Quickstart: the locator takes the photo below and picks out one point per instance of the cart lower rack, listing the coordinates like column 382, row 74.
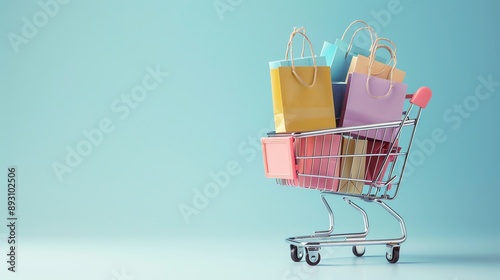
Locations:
column 350, row 162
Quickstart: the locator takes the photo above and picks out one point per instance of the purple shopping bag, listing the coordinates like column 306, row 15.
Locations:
column 371, row 100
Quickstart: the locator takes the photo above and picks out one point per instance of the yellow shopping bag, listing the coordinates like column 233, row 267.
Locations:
column 302, row 95
column 370, row 66
column 352, row 166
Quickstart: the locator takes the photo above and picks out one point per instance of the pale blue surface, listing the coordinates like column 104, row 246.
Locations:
column 207, row 116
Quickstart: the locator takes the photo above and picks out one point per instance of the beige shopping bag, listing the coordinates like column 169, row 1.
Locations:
column 352, row 167
column 372, row 67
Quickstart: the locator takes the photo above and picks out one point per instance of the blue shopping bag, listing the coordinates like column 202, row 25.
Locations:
column 339, row 54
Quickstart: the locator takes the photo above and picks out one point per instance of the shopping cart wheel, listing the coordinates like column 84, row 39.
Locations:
column 358, row 251
column 313, row 257
column 296, row 253
column 392, row 254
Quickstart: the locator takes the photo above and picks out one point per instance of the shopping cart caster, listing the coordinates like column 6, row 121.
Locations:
column 358, row 251
column 312, row 256
column 392, row 254
column 296, row 253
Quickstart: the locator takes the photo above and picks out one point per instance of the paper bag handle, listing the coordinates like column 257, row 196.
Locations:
column 353, row 23
column 303, row 30
column 394, row 59
column 289, row 49
column 376, row 45
column 373, row 36
column 391, row 53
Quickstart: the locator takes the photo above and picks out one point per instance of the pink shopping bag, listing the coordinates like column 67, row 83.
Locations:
column 323, row 148
column 371, row 100
column 374, row 163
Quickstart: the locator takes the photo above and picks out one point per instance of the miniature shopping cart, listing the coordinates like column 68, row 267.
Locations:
column 350, row 162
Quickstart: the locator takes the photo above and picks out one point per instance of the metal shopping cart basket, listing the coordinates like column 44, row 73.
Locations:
column 348, row 162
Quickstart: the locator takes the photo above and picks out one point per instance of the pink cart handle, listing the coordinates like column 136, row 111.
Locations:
column 421, row 97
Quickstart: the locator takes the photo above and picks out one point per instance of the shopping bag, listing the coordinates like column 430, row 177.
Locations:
column 339, row 54
column 302, row 95
column 352, row 167
column 370, row 66
column 338, row 89
column 318, row 162
column 375, row 164
column 371, row 100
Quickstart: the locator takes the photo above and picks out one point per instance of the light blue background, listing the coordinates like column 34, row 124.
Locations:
column 215, row 102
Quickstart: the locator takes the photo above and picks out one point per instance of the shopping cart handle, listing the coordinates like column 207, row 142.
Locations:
column 421, row 97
